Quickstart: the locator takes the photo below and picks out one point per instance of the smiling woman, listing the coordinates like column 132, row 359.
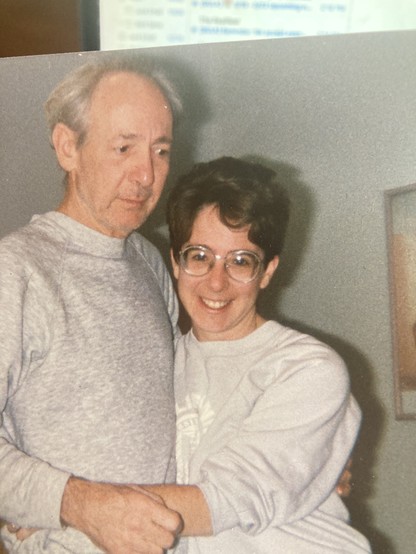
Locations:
column 221, row 300
column 265, row 419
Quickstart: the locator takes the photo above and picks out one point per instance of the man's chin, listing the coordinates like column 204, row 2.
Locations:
column 127, row 225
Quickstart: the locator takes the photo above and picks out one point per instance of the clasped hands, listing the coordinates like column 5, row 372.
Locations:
column 116, row 518
column 128, row 518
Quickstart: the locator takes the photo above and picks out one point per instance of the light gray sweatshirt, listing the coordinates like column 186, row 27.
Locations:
column 265, row 425
column 86, row 359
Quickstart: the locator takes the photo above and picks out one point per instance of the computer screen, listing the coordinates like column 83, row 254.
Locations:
column 144, row 23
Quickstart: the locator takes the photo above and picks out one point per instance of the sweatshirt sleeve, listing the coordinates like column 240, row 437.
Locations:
column 30, row 489
column 285, row 458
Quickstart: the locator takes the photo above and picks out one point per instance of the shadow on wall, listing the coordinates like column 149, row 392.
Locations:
column 365, row 453
column 297, row 236
column 196, row 112
column 360, row 369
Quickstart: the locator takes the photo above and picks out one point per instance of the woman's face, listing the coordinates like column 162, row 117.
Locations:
column 220, row 307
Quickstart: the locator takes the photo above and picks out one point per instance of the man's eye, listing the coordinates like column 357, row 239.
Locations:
column 122, row 149
column 163, row 152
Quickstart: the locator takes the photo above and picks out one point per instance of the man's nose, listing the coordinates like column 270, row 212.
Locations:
column 142, row 170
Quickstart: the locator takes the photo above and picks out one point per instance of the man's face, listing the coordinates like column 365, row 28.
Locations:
column 117, row 175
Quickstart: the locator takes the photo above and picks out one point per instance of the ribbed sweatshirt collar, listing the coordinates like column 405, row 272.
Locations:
column 83, row 238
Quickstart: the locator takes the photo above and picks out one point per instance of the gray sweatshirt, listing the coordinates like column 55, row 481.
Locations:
column 265, row 425
column 86, row 358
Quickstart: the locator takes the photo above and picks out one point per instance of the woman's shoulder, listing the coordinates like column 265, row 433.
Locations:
column 294, row 355
column 297, row 344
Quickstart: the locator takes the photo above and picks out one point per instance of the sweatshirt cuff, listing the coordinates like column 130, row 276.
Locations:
column 223, row 515
column 46, row 497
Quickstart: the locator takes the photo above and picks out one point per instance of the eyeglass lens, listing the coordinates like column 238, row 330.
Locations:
column 240, row 265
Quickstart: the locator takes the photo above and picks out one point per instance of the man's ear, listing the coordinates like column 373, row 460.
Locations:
column 64, row 141
column 269, row 272
column 175, row 265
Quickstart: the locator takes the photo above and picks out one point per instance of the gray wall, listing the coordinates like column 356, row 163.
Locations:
column 336, row 118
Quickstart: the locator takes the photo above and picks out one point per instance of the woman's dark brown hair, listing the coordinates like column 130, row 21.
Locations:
column 246, row 195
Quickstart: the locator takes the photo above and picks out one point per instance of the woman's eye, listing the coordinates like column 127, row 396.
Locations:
column 241, row 261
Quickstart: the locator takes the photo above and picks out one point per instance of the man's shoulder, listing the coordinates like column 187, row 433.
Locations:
column 146, row 249
column 28, row 242
column 16, row 240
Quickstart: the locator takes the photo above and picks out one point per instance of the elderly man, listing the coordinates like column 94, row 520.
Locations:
column 88, row 314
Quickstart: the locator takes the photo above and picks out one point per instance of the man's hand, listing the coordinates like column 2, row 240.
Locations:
column 344, row 484
column 120, row 518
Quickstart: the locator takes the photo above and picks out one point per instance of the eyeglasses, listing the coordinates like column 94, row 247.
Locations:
column 240, row 265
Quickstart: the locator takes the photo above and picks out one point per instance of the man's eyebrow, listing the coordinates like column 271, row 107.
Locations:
column 164, row 139
column 132, row 136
